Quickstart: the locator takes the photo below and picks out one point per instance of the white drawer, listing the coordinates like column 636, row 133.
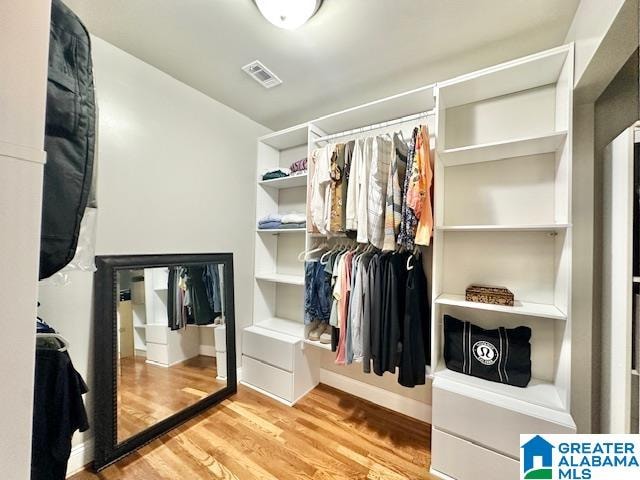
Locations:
column 488, row 424
column 158, row 353
column 270, row 379
column 274, row 348
column 462, row 460
column 157, row 333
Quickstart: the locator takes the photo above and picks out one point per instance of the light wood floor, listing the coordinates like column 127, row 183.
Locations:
column 327, row 435
column 149, row 393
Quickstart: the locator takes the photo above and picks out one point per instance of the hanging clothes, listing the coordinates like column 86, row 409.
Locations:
column 381, row 158
column 364, row 172
column 58, row 411
column 211, row 281
column 419, row 194
column 343, row 306
column 408, row 221
column 320, row 192
column 346, row 175
column 353, row 185
column 416, row 334
column 395, row 182
column 338, row 189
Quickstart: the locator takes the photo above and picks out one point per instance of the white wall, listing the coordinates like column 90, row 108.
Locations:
column 176, row 175
column 24, row 46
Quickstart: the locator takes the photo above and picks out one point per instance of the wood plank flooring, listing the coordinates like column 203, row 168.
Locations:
column 148, row 393
column 327, row 435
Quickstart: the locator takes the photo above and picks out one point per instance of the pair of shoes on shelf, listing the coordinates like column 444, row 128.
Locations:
column 321, row 333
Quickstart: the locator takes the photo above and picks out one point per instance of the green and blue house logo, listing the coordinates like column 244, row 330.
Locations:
column 580, row 457
column 537, row 459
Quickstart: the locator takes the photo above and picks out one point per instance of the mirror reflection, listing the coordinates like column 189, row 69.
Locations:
column 171, row 342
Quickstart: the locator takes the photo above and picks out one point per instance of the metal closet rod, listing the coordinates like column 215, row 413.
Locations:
column 376, row 126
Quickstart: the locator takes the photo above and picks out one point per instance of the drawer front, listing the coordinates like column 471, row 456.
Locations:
column 486, row 424
column 221, row 364
column 220, row 338
column 158, row 353
column 266, row 377
column 462, row 460
column 269, row 347
column 157, row 334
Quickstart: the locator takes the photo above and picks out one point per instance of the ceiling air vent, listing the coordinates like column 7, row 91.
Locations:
column 262, row 74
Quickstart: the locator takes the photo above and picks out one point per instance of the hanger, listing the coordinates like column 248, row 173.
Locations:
column 303, row 255
column 57, row 336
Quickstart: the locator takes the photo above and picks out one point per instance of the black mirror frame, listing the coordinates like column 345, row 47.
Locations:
column 107, row 450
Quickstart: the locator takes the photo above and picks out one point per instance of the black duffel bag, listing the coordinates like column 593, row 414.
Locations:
column 501, row 355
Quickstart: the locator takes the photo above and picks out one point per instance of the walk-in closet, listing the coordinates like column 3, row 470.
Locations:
column 320, row 239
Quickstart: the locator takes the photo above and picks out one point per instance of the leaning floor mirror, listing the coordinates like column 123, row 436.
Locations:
column 164, row 345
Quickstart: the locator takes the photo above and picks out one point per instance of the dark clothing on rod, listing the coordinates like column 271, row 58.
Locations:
column 416, row 335
column 202, row 313
column 58, row 413
column 393, row 312
column 69, row 139
column 378, row 344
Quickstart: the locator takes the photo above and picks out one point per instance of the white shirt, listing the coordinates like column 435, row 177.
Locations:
column 319, row 185
column 353, row 187
column 363, row 190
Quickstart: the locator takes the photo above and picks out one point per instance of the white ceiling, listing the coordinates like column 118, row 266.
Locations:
column 351, row 52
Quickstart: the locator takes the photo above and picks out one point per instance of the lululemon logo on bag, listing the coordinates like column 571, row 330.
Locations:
column 485, row 352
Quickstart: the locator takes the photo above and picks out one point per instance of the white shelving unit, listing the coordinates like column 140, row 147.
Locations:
column 503, row 217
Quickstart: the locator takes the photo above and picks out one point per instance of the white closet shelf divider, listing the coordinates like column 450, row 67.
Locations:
column 538, row 393
column 288, row 138
column 636, row 279
column 513, row 148
column 551, row 227
column 292, row 181
column 282, row 325
column 281, row 278
column 275, row 231
column 520, row 308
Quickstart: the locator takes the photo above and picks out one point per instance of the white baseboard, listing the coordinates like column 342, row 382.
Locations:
column 267, row 394
column 81, row 456
column 438, row 474
column 208, row 350
column 393, row 401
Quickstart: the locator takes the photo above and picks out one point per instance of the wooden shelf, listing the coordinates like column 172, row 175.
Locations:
column 275, row 231
column 520, row 308
column 292, row 181
column 282, row 325
column 538, row 392
column 323, row 346
column 281, row 278
column 551, row 227
column 288, row 138
column 490, row 152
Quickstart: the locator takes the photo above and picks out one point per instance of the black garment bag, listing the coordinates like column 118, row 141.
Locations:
column 69, row 139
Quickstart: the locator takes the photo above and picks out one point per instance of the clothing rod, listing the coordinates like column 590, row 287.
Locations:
column 376, row 126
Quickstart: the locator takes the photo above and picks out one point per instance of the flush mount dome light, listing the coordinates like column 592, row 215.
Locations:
column 288, row 14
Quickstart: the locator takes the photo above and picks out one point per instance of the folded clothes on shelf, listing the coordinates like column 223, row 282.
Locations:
column 275, row 173
column 269, row 225
column 294, row 225
column 294, row 218
column 299, row 167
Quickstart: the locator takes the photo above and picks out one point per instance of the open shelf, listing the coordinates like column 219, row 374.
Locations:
column 538, row 392
column 519, row 308
column 526, row 73
column 288, row 138
column 488, row 152
column 636, row 279
column 323, row 346
column 281, row 278
column 292, row 181
column 282, row 325
column 552, row 227
column 281, row 230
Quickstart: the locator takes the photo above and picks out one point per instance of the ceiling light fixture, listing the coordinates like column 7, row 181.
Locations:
column 288, row 14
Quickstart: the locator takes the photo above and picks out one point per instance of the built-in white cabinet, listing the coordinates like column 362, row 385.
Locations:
column 502, row 139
